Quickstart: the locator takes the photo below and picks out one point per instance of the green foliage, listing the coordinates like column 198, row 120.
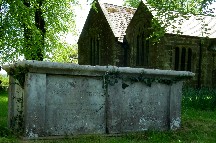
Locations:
column 4, row 80
column 182, row 6
column 202, row 99
column 65, row 53
column 132, row 3
column 21, row 34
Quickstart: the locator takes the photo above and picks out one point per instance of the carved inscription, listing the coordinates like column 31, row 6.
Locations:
column 145, row 107
column 77, row 102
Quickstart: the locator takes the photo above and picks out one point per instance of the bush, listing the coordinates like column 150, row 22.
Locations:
column 202, row 99
column 4, row 82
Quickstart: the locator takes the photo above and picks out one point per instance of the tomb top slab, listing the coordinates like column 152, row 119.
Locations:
column 75, row 69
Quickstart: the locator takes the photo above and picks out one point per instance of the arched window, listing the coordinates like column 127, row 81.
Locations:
column 138, row 50
column 189, row 59
column 214, row 78
column 183, row 59
column 176, row 67
column 142, row 52
column 142, row 48
column 95, row 50
column 92, row 51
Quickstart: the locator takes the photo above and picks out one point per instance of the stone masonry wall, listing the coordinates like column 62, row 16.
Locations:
column 97, row 27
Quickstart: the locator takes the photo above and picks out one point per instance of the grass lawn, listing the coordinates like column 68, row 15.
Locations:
column 198, row 126
column 3, row 109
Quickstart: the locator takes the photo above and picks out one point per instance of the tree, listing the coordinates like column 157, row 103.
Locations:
column 34, row 51
column 31, row 28
column 182, row 6
column 132, row 3
column 66, row 53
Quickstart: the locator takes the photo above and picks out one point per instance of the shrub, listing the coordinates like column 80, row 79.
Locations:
column 4, row 82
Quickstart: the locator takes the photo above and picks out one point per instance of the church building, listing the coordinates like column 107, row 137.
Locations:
column 122, row 36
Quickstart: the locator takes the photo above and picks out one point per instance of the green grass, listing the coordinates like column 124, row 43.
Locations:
column 5, row 134
column 204, row 99
column 198, row 126
column 3, row 108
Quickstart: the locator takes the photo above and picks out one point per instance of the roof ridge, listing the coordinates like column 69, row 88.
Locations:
column 106, row 15
column 118, row 18
column 122, row 6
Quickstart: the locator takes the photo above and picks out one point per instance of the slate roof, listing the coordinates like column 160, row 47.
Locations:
column 118, row 18
column 194, row 25
column 189, row 25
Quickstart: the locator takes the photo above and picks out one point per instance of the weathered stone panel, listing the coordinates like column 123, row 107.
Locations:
column 74, row 105
column 34, row 105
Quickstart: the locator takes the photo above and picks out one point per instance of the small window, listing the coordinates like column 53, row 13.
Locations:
column 142, row 48
column 95, row 51
column 176, row 58
column 214, row 78
column 138, row 50
column 183, row 59
column 189, row 59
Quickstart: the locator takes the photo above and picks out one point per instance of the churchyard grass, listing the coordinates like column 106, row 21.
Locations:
column 198, row 124
column 5, row 135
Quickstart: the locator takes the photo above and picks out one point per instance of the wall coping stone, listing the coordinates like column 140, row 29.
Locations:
column 75, row 69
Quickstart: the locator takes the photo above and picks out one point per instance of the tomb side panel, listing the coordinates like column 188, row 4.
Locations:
column 75, row 105
column 34, row 105
column 175, row 105
column 144, row 107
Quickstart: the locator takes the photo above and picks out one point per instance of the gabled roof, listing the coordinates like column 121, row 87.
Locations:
column 118, row 18
column 189, row 25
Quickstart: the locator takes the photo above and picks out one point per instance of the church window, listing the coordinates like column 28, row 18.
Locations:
column 142, row 48
column 176, row 67
column 95, row 51
column 183, row 59
column 189, row 59
column 183, row 54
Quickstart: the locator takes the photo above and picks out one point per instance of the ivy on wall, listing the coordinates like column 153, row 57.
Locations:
column 111, row 78
column 18, row 73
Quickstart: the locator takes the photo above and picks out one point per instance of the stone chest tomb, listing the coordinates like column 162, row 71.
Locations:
column 56, row 99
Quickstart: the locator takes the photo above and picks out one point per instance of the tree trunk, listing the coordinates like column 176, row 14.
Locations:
column 40, row 24
column 34, row 49
column 28, row 41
